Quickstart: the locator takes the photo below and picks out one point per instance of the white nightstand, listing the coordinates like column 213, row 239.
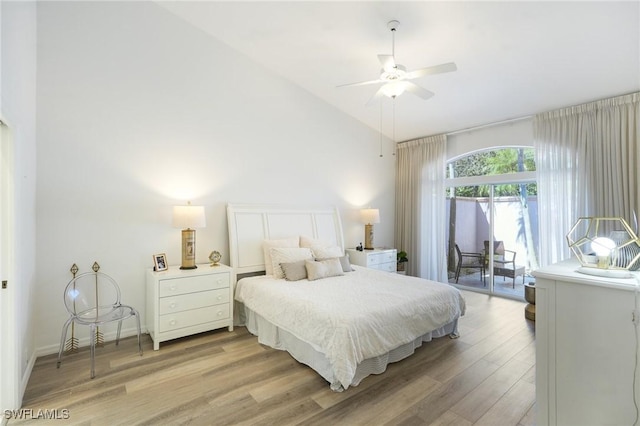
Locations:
column 383, row 259
column 184, row 302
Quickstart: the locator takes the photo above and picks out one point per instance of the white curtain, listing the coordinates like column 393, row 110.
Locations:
column 420, row 206
column 587, row 158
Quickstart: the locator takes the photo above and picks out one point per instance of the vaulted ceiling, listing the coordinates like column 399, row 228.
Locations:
column 514, row 58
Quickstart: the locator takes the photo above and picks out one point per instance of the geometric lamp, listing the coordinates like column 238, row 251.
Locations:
column 187, row 218
column 605, row 246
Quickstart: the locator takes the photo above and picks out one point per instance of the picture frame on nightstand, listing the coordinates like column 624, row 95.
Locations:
column 160, row 262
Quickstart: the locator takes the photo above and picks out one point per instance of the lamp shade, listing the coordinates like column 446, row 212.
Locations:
column 189, row 217
column 370, row 216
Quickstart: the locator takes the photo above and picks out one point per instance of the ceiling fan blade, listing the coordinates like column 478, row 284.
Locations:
column 362, row 83
column 377, row 95
column 417, row 90
column 388, row 62
column 436, row 69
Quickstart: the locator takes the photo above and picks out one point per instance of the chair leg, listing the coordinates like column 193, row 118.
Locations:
column 65, row 328
column 118, row 334
column 92, row 340
column 139, row 332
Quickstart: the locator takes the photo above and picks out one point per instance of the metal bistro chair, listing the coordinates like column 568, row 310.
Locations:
column 93, row 299
column 476, row 260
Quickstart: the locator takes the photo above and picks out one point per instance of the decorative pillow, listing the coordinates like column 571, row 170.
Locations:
column 344, row 262
column 286, row 255
column 327, row 252
column 323, row 269
column 268, row 244
column 294, row 271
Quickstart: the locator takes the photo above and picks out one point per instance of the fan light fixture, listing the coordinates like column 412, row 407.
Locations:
column 605, row 246
column 395, row 77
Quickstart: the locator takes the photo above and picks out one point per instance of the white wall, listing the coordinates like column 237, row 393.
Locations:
column 18, row 109
column 139, row 111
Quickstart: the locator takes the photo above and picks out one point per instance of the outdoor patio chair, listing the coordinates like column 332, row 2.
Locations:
column 470, row 260
column 504, row 261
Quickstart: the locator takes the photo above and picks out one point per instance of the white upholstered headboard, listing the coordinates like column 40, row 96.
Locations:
column 251, row 224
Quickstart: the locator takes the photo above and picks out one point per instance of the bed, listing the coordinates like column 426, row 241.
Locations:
column 344, row 321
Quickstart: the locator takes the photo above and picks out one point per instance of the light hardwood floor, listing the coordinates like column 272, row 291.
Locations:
column 486, row 377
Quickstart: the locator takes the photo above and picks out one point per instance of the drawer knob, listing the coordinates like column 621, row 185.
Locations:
column 219, row 313
column 219, row 297
column 172, row 322
column 172, row 287
column 172, row 305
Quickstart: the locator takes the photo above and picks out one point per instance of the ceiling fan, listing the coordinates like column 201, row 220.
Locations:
column 395, row 77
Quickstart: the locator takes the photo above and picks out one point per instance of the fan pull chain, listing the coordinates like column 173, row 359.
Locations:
column 380, row 127
column 394, row 125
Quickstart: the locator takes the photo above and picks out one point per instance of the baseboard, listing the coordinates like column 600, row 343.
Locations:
column 84, row 341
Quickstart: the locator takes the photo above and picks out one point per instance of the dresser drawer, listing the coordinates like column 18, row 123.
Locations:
column 183, row 319
column 378, row 258
column 175, row 286
column 188, row 301
column 389, row 266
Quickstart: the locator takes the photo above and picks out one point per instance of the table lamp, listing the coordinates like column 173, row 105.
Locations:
column 605, row 246
column 187, row 218
column 369, row 217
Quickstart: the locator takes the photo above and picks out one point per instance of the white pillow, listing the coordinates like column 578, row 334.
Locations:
column 268, row 244
column 312, row 242
column 327, row 252
column 287, row 255
column 323, row 269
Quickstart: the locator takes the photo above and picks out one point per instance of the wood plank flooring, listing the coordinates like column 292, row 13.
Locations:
column 486, row 377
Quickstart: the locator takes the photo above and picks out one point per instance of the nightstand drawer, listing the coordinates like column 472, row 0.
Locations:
column 185, row 302
column 193, row 317
column 378, row 258
column 388, row 267
column 175, row 286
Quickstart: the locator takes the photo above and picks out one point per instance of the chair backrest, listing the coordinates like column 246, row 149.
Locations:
column 91, row 293
column 458, row 252
column 498, row 247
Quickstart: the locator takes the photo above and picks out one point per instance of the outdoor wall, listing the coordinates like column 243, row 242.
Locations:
column 473, row 218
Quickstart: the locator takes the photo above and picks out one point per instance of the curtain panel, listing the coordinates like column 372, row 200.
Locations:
column 587, row 158
column 420, row 206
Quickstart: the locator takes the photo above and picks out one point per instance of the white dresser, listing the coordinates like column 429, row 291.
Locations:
column 585, row 348
column 184, row 302
column 383, row 259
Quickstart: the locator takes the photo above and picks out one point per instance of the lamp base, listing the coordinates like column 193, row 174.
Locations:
column 188, row 249
column 368, row 237
column 608, row 273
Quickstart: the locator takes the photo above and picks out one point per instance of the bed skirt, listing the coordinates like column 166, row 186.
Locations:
column 277, row 338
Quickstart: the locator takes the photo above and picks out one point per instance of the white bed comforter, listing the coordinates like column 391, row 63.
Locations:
column 360, row 315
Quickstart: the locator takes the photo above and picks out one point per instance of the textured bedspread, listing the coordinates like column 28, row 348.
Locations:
column 359, row 315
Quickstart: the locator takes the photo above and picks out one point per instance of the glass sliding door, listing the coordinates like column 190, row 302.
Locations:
column 468, row 225
column 492, row 221
column 492, row 238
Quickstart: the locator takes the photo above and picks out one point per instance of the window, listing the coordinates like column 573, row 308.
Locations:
column 492, row 202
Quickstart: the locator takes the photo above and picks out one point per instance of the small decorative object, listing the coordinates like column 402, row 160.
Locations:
column 402, row 259
column 186, row 218
column 359, row 248
column 72, row 344
column 215, row 257
column 530, row 297
column 605, row 246
column 369, row 217
column 160, row 262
